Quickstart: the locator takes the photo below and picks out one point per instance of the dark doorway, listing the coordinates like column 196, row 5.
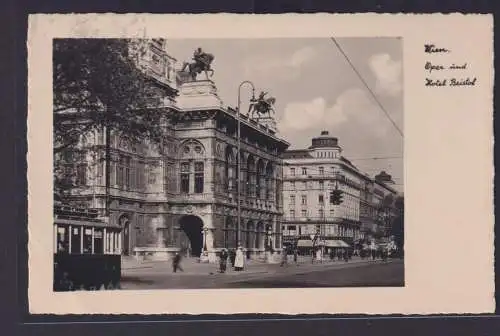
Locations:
column 192, row 226
column 125, row 225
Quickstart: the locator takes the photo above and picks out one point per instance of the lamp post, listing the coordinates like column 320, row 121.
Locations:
column 205, row 231
column 268, row 239
column 238, row 158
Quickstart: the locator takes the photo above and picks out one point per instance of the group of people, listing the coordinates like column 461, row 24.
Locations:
column 374, row 254
column 235, row 256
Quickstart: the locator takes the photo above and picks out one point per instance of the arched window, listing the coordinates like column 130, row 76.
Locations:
column 269, row 181
column 192, row 151
column 251, row 178
column 199, row 177
column 260, row 178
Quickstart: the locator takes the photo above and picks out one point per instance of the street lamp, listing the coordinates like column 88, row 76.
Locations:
column 238, row 235
column 204, row 231
column 268, row 239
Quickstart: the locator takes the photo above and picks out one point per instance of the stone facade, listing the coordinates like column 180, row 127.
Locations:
column 183, row 197
column 310, row 175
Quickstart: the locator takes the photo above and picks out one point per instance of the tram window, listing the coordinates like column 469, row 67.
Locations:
column 87, row 241
column 63, row 239
column 75, row 240
column 98, row 241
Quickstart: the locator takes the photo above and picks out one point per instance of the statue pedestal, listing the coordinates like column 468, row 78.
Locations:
column 199, row 94
column 268, row 122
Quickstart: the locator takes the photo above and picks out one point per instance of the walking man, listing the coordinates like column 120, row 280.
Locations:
column 176, row 263
column 284, row 257
column 223, row 260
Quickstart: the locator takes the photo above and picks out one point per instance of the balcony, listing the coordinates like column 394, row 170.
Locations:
column 196, row 198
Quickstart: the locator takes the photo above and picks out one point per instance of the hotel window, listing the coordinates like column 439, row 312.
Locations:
column 304, row 213
column 332, row 212
column 292, row 171
column 185, row 177
column 199, row 172
column 321, row 171
column 292, row 213
column 292, row 185
column 321, row 213
column 321, row 185
column 304, row 171
column 321, row 199
column 292, row 199
column 304, row 200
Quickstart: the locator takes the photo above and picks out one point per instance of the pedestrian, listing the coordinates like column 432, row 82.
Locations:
column 232, row 256
column 176, row 263
column 318, row 255
column 346, row 255
column 223, row 260
column 332, row 255
column 239, row 260
column 295, row 256
column 384, row 254
column 284, row 257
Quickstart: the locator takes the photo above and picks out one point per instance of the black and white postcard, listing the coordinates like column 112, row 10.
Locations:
column 272, row 164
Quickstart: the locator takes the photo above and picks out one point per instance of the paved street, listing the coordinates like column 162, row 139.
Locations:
column 159, row 275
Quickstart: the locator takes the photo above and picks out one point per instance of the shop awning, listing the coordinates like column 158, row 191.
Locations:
column 336, row 243
column 304, row 243
column 327, row 243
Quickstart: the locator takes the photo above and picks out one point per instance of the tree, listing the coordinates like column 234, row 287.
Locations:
column 97, row 85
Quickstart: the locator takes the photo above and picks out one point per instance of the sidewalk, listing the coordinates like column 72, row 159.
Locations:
column 191, row 266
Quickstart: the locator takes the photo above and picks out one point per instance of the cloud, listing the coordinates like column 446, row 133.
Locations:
column 284, row 68
column 353, row 109
column 301, row 56
column 388, row 74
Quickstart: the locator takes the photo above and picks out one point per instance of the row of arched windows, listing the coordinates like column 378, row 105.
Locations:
column 252, row 235
column 257, row 177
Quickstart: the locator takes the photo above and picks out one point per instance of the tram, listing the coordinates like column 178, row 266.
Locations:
column 87, row 250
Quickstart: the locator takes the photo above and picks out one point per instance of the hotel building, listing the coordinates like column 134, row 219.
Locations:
column 309, row 177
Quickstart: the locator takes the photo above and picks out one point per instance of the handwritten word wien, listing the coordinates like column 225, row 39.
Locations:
column 433, row 49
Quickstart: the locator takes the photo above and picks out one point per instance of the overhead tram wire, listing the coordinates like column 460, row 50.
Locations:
column 366, row 85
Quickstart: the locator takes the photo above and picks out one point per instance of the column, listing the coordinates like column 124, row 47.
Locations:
column 55, row 239
column 82, row 232
column 112, row 242
column 105, row 241
column 70, row 237
column 120, row 245
column 93, row 237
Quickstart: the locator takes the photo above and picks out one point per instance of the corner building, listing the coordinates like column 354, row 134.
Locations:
column 310, row 175
column 183, row 197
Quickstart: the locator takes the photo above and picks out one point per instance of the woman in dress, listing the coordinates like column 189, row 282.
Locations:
column 239, row 260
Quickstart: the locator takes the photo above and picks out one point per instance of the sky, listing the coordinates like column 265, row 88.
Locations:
column 316, row 89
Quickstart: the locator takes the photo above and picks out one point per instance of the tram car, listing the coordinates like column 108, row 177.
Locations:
column 87, row 250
